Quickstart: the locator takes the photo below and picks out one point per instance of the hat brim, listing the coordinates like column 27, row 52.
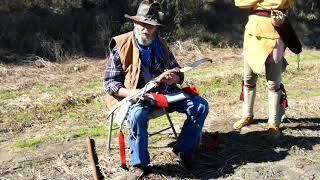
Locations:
column 143, row 20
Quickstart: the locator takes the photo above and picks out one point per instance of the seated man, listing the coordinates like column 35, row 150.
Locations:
column 136, row 58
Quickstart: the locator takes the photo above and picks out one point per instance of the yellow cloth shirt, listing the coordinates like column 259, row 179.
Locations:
column 260, row 36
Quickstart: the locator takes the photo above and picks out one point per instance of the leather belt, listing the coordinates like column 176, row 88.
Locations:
column 264, row 13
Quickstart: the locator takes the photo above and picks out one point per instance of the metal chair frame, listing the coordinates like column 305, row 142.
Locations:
column 153, row 114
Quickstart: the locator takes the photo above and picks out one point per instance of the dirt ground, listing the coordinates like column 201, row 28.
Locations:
column 245, row 154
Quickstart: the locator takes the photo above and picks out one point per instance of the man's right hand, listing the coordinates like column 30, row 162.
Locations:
column 124, row 92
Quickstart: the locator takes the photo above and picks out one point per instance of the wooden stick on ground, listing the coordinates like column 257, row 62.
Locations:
column 93, row 158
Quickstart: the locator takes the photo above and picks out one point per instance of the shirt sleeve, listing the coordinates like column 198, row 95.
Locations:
column 113, row 78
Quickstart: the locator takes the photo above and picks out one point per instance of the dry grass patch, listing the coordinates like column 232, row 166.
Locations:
column 61, row 103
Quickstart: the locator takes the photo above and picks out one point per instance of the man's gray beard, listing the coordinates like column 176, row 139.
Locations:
column 144, row 41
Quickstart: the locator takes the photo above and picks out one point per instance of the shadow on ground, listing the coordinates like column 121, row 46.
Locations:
column 237, row 149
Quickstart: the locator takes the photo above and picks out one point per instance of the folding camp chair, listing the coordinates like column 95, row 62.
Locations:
column 161, row 101
column 153, row 114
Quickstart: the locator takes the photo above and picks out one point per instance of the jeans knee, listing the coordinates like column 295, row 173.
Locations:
column 138, row 116
column 273, row 85
column 250, row 80
column 203, row 106
column 206, row 106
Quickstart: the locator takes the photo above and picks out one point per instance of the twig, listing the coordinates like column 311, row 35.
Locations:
column 179, row 45
column 164, row 176
column 226, row 163
column 64, row 167
column 299, row 131
column 208, row 172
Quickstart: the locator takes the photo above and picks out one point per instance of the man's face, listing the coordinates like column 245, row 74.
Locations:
column 145, row 33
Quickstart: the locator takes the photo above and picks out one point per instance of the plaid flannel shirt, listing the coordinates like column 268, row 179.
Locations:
column 114, row 78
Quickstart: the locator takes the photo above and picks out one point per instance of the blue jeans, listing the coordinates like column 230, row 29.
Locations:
column 196, row 108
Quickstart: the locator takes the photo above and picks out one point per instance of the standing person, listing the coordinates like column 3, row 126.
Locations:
column 263, row 48
column 136, row 58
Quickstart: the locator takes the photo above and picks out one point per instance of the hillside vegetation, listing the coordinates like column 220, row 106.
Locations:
column 55, row 29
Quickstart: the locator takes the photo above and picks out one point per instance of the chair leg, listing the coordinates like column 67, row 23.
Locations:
column 171, row 124
column 110, row 132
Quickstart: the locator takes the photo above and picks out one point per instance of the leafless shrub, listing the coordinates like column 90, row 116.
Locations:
column 3, row 71
column 52, row 49
column 103, row 29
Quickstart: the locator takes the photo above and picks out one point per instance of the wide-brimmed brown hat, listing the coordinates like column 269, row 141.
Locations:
column 149, row 13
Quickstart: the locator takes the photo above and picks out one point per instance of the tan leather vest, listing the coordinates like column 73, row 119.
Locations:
column 131, row 63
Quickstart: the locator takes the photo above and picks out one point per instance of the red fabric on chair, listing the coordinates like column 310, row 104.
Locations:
column 122, row 150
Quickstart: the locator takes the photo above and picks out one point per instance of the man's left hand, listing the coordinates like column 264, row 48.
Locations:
column 171, row 78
